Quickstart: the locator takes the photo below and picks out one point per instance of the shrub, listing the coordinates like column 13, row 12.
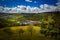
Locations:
column 8, row 31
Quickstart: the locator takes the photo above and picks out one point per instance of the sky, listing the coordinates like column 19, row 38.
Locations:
column 28, row 6
column 36, row 3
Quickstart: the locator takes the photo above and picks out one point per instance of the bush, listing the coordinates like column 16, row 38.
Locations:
column 8, row 31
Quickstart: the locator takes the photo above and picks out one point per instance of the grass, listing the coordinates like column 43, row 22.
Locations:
column 12, row 33
column 24, row 28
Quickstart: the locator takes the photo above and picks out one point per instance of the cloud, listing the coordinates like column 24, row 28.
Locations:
column 48, row 7
column 1, row 8
column 28, row 0
column 58, row 5
column 28, row 9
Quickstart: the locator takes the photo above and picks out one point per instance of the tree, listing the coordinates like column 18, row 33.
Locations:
column 21, row 31
column 48, row 26
column 8, row 31
column 56, row 17
column 31, row 30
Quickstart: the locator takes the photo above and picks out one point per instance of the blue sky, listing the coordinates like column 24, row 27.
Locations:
column 32, row 3
column 28, row 6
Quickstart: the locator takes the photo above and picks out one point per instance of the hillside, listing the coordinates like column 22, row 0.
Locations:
column 46, row 26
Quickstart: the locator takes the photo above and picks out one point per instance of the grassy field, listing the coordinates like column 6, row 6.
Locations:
column 25, row 28
column 22, row 33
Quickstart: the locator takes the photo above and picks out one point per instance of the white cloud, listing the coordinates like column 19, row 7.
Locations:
column 28, row 0
column 44, row 6
column 48, row 7
column 58, row 5
column 28, row 9
column 1, row 8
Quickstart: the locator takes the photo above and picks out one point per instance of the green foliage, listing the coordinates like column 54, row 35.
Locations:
column 56, row 17
column 8, row 31
column 6, row 23
column 30, row 29
column 48, row 26
column 21, row 31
